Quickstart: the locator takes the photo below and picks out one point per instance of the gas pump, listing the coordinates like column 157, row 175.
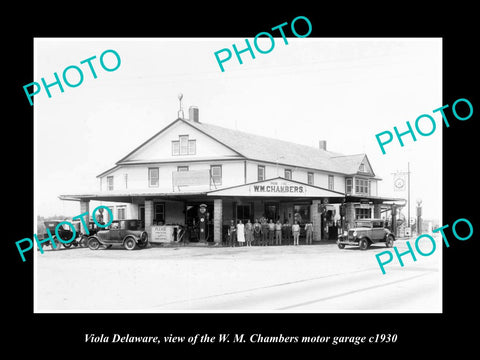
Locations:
column 203, row 217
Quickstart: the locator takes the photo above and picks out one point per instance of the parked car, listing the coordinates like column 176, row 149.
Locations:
column 92, row 230
column 64, row 232
column 126, row 233
column 365, row 233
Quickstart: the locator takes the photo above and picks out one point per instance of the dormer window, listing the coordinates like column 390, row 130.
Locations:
column 184, row 146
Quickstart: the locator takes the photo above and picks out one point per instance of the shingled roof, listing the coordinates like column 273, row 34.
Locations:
column 262, row 148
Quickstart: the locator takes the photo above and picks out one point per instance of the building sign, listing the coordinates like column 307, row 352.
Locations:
column 191, row 178
column 278, row 187
column 161, row 234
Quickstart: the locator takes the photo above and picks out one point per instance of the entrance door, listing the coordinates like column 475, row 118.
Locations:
column 272, row 211
column 243, row 212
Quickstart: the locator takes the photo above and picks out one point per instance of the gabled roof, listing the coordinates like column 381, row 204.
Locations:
column 265, row 149
column 262, row 148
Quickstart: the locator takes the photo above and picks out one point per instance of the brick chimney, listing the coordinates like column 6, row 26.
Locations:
column 193, row 114
column 322, row 144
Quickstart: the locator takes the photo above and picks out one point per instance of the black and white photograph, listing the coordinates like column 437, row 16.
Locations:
column 260, row 188
column 201, row 180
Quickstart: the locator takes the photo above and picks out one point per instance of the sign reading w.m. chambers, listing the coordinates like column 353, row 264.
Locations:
column 277, row 187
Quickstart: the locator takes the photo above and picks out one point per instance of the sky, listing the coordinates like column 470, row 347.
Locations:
column 341, row 90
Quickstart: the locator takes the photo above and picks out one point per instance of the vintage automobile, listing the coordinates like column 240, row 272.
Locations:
column 365, row 233
column 64, row 232
column 126, row 233
column 92, row 230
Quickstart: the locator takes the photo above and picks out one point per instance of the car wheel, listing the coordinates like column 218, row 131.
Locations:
column 143, row 241
column 341, row 246
column 83, row 241
column 389, row 242
column 93, row 243
column 363, row 244
column 67, row 246
column 58, row 244
column 142, row 244
column 129, row 243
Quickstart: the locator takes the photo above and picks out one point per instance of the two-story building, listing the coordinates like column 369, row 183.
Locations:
column 238, row 176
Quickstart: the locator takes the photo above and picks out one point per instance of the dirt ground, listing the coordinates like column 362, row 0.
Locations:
column 311, row 278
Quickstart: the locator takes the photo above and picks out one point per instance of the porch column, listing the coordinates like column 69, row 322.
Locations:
column 377, row 211
column 149, row 217
column 85, row 208
column 316, row 219
column 349, row 215
column 217, row 220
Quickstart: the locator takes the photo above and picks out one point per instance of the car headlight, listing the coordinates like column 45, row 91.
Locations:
column 144, row 236
column 354, row 233
column 345, row 233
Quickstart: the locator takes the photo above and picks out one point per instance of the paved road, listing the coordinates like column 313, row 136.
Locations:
column 316, row 278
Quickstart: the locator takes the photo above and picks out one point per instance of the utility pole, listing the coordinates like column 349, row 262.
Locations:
column 408, row 184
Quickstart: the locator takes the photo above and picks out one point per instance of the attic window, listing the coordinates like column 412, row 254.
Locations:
column 362, row 167
column 184, row 146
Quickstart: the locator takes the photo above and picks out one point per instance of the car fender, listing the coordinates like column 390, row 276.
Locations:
column 387, row 235
column 94, row 237
column 365, row 237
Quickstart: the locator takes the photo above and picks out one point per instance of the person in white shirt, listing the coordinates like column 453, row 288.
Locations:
column 296, row 232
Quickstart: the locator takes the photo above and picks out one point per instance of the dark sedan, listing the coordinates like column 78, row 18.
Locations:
column 126, row 233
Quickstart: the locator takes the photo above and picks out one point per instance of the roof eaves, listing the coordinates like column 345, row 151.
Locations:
column 147, row 141
column 108, row 171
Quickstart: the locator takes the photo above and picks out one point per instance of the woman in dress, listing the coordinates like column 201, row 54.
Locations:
column 257, row 232
column 240, row 233
column 249, row 232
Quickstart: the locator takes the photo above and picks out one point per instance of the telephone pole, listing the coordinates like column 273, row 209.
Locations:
column 408, row 184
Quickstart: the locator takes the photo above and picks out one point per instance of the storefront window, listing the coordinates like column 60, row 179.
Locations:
column 120, row 212
column 243, row 212
column 271, row 211
column 159, row 214
column 362, row 214
column 301, row 213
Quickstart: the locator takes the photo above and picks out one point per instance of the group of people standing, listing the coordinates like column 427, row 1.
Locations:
column 266, row 233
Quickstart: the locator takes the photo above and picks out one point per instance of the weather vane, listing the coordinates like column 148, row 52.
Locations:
column 180, row 111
